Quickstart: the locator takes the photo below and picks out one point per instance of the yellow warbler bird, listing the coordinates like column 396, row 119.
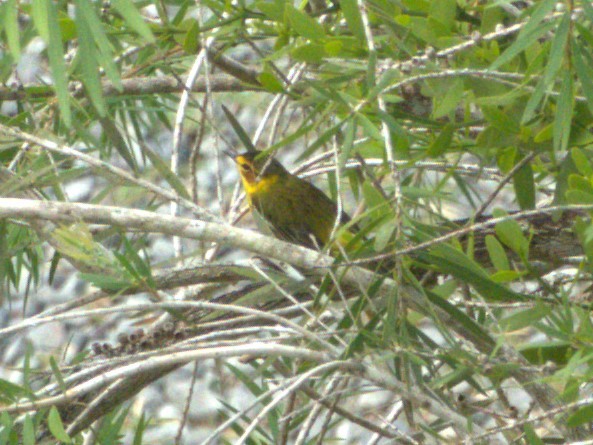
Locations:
column 295, row 209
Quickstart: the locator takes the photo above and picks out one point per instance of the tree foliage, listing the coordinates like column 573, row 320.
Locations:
column 457, row 136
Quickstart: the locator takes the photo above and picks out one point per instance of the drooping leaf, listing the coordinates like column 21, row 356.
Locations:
column 130, row 14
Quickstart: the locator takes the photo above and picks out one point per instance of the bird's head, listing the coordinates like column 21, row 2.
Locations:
column 253, row 167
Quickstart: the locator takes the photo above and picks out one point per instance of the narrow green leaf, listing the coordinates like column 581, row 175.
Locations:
column 191, row 40
column 140, row 428
column 88, row 61
column 578, row 182
column 442, row 143
column 523, row 41
column 468, row 324
column 164, row 170
column 353, row 19
column 497, row 254
column 557, row 52
column 57, row 372
column 510, row 233
column 558, row 49
column 525, row 318
column 524, row 186
column 581, row 162
column 579, row 197
column 450, row 100
column 247, row 380
column 531, row 435
column 270, row 82
column 310, row 52
column 130, row 14
column 349, row 135
column 11, row 28
column 584, row 73
column 105, row 51
column 506, row 276
column 115, row 137
column 500, row 120
column 28, row 431
column 303, row 24
column 534, row 101
column 106, row 282
column 567, row 167
column 588, row 10
column 56, row 62
column 56, row 427
column 559, row 352
column 41, row 18
column 239, row 131
column 563, row 117
column 273, row 10
column 6, row 426
column 580, row 416
column 490, row 290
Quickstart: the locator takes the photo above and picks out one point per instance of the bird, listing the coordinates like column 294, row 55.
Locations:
column 294, row 209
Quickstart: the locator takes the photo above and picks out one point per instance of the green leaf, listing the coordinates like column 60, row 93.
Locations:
column 558, row 49
column 6, row 428
column 567, row 167
column 450, row 100
column 28, row 431
column 468, row 324
column 274, row 10
column 581, row 162
column 456, row 263
column 191, row 40
column 303, row 24
column 531, row 435
column 580, row 416
column 241, row 134
column 133, row 18
column 105, row 53
column 46, row 22
column 140, row 429
column 525, row 318
column 442, row 143
column 56, row 427
column 580, row 183
column 534, row 101
column 164, row 170
column 500, row 120
column 88, row 61
column 310, row 52
column 563, row 117
column 106, row 282
column 555, row 59
column 497, row 254
column 510, row 233
column 556, row 352
column 588, row 10
column 41, row 18
column 525, row 187
column 444, row 12
column 584, row 73
column 11, row 28
column 353, row 19
column 376, row 203
column 530, row 34
column 579, row 197
column 270, row 82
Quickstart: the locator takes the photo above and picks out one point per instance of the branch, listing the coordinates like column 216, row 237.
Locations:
column 135, row 86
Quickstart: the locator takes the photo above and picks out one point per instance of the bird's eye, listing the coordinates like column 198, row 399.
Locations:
column 245, row 167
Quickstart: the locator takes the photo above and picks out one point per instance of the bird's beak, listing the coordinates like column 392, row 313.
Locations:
column 231, row 154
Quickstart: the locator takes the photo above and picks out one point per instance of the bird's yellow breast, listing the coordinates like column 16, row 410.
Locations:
column 254, row 186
